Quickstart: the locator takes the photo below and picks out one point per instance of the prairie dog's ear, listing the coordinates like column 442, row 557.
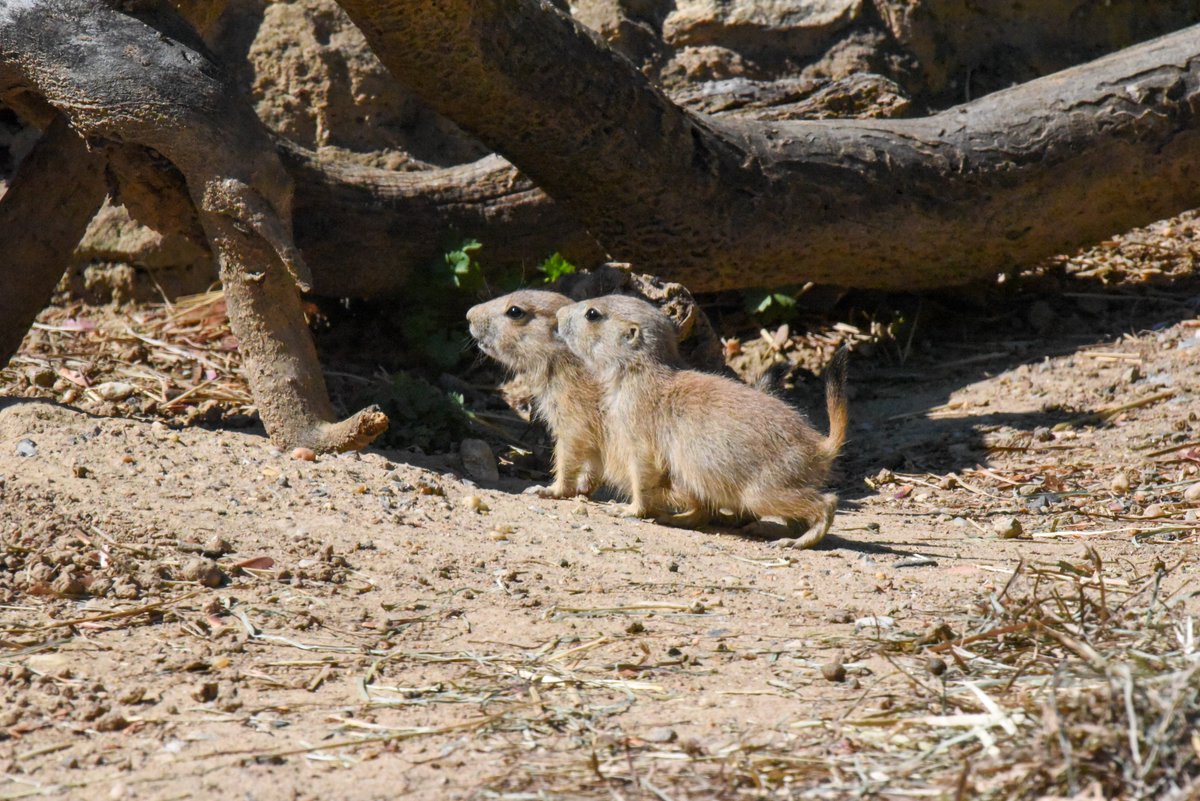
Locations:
column 633, row 333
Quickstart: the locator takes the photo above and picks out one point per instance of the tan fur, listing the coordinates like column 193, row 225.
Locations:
column 698, row 441
column 563, row 393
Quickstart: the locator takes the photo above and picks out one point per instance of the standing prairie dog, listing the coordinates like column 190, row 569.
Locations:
column 518, row 330
column 699, row 441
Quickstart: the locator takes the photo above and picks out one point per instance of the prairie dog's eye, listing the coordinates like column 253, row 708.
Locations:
column 515, row 312
column 592, row 315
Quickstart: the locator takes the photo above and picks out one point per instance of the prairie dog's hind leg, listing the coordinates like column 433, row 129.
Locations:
column 811, row 529
column 807, row 513
column 693, row 516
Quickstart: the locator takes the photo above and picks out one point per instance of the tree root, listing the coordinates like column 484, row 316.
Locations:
column 55, row 193
column 1016, row 176
column 145, row 81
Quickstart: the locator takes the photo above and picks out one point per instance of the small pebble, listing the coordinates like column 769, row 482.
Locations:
column 133, row 695
column 26, row 447
column 114, row 391
column 474, row 503
column 1192, row 493
column 206, row 691
column 662, row 735
column 41, row 377
column 204, row 571
column 834, row 670
column 1120, row 483
column 215, row 546
column 478, row 460
column 113, row 721
column 1154, row 510
column 68, row 585
column 304, row 454
column 1008, row 528
column 935, row 666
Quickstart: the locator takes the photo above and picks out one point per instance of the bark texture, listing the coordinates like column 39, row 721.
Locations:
column 56, row 191
column 148, row 83
column 367, row 231
column 1017, row 176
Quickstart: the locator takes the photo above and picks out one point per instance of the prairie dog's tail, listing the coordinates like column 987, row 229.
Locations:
column 835, row 402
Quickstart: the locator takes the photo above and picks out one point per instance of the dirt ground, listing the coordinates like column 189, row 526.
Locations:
column 186, row 612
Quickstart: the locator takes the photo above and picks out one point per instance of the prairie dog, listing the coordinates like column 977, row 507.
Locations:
column 700, row 441
column 518, row 330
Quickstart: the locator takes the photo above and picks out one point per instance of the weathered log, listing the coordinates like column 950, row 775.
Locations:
column 365, row 231
column 148, row 83
column 1004, row 181
column 55, row 192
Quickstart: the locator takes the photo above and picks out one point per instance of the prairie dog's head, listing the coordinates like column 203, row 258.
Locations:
column 616, row 330
column 517, row 330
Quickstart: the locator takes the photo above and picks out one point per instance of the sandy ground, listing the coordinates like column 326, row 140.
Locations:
column 403, row 632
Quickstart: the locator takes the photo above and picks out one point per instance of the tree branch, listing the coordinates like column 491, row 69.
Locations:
column 147, row 82
column 1014, row 177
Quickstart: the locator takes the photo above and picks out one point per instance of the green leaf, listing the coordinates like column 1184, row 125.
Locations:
column 555, row 268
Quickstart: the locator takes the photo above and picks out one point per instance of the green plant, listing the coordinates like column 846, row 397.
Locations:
column 433, row 327
column 464, row 271
column 555, row 268
column 421, row 414
column 771, row 307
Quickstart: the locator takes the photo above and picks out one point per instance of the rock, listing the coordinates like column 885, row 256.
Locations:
column 1120, row 483
column 203, row 571
column 41, row 377
column 709, row 63
column 834, row 670
column 170, row 262
column 113, row 721
column 660, row 735
column 131, row 695
column 26, row 447
column 935, row 666
column 304, row 454
column 206, row 691
column 797, row 28
column 1008, row 528
column 100, row 587
column 478, row 460
column 69, row 585
column 1154, row 510
column 474, row 503
column 1192, row 493
column 215, row 546
column 93, row 711
column 114, row 391
column 317, row 82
